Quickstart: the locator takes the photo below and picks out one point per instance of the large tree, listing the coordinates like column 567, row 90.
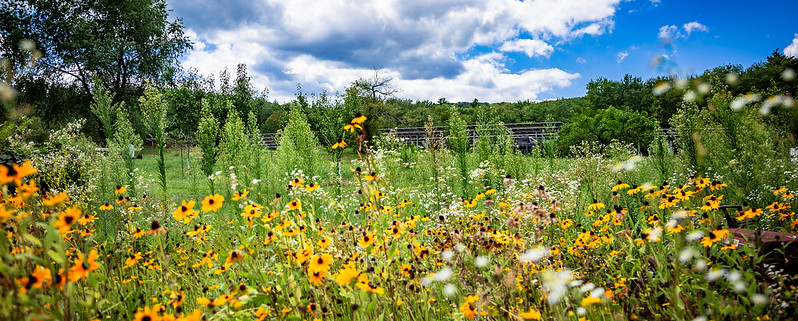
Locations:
column 122, row 43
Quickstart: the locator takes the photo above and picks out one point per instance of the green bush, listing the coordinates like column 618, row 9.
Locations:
column 298, row 145
column 607, row 125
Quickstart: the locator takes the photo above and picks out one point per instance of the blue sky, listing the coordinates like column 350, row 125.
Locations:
column 491, row 50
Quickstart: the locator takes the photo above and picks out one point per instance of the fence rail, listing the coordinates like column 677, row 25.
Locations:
column 526, row 135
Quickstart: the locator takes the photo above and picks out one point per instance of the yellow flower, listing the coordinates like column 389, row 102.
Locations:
column 56, row 199
column 239, row 194
column 590, row 300
column 295, row 205
column 106, row 207
column 185, row 211
column 595, row 206
column 120, row 189
column 621, row 185
column 317, row 277
column 713, row 237
column 340, row 144
column 366, row 240
column 359, row 118
column 321, row 262
column 311, row 187
column 532, row 314
column 212, row 203
column 346, row 275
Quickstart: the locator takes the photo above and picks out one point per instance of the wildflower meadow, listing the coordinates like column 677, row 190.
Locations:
column 134, row 189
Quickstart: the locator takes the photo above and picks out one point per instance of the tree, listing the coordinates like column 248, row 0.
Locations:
column 123, row 43
column 607, row 125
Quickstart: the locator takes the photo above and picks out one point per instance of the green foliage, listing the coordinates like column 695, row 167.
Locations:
column 207, row 139
column 256, row 149
column 233, row 144
column 298, row 145
column 121, row 42
column 125, row 143
column 153, row 110
column 66, row 162
column 458, row 143
column 102, row 108
column 607, row 125
column 716, row 141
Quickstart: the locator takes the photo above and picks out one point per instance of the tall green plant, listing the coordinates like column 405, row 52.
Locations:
column 101, row 106
column 233, row 144
column 207, row 138
column 153, row 110
column 125, row 143
column 458, row 143
column 298, row 144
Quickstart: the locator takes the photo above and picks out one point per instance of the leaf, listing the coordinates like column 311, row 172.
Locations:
column 32, row 239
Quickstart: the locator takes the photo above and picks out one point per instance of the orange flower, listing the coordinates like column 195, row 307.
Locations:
column 83, row 265
column 212, row 203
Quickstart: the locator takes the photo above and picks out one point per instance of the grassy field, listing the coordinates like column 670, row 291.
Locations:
column 408, row 237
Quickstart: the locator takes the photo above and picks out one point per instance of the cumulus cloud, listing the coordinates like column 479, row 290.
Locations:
column 669, row 32
column 419, row 41
column 792, row 49
column 531, row 47
column 622, row 55
column 694, row 26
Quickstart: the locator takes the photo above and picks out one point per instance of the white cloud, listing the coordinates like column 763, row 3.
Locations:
column 622, row 55
column 792, row 49
column 416, row 40
column 484, row 77
column 581, row 60
column 531, row 47
column 694, row 26
column 669, row 32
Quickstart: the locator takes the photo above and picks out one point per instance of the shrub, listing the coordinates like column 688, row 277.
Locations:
column 607, row 125
column 207, row 137
column 298, row 145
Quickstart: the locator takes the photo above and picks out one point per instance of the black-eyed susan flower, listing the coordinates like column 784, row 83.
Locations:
column 185, row 211
column 66, row 219
column 148, row 314
column 317, row 277
column 359, row 118
column 304, row 255
column 120, row 190
column 239, row 194
column 621, row 185
column 367, row 239
column 234, row 257
column 106, row 207
column 297, row 182
column 56, row 199
column 467, row 307
column 311, row 187
column 86, row 219
column 16, row 173
column 320, row 262
column 749, row 214
column 132, row 260
column 339, row 144
column 346, row 275
column 83, row 265
column 212, row 203
column 134, row 207
column 596, row 205
column 294, row 205
column 532, row 314
column 714, row 236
